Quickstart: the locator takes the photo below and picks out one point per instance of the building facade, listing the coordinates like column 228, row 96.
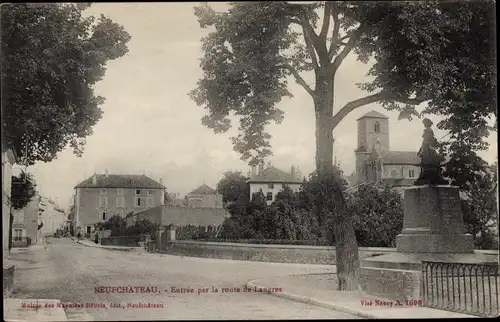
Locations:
column 375, row 162
column 52, row 217
column 204, row 197
column 271, row 180
column 26, row 220
column 102, row 196
column 8, row 160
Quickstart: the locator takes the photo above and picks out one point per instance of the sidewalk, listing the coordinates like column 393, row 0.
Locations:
column 319, row 290
column 34, row 310
column 89, row 243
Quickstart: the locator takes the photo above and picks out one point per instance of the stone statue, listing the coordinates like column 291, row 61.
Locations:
column 430, row 164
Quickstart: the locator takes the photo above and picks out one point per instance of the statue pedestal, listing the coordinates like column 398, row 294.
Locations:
column 433, row 230
column 433, row 222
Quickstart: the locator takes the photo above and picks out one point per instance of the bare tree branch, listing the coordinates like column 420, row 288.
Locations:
column 383, row 95
column 326, row 21
column 347, row 49
column 299, row 79
column 335, row 34
column 310, row 39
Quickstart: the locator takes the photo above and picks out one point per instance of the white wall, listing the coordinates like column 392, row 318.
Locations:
column 255, row 187
column 402, row 171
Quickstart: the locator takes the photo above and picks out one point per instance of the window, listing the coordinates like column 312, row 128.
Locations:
column 104, row 216
column 270, row 185
column 138, row 192
column 377, row 127
column 149, row 202
column 411, row 173
column 103, row 191
column 103, row 202
column 269, row 196
column 137, row 202
column 120, row 202
column 119, row 192
column 150, row 192
column 18, row 233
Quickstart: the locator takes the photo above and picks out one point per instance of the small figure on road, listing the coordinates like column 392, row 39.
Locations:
column 430, row 164
column 78, row 235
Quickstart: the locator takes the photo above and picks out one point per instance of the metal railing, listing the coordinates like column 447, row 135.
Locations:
column 21, row 241
column 459, row 287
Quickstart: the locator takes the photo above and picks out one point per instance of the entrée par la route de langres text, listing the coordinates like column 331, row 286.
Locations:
column 185, row 290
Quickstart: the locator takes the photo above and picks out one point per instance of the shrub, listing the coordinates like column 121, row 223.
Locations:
column 377, row 215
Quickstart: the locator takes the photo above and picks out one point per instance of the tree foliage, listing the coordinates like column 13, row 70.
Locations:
column 377, row 215
column 141, row 227
column 22, row 190
column 480, row 208
column 232, row 186
column 51, row 58
column 117, row 225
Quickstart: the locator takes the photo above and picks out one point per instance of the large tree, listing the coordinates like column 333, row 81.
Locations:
column 232, row 185
column 51, row 58
column 418, row 57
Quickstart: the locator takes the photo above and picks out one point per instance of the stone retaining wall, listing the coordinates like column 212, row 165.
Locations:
column 270, row 253
column 129, row 241
column 265, row 253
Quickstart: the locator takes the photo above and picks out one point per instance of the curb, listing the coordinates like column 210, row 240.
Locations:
column 309, row 300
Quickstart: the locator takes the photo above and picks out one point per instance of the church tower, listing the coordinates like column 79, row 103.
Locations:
column 373, row 133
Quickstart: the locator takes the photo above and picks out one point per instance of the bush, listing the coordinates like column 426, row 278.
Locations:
column 141, row 227
column 377, row 215
column 269, row 241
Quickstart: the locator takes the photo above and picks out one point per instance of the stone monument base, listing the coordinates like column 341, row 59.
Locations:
column 397, row 276
column 435, row 243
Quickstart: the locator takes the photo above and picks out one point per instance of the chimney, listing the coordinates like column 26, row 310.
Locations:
column 161, row 181
column 94, row 179
column 293, row 172
column 261, row 167
column 106, row 173
column 298, row 173
column 254, row 172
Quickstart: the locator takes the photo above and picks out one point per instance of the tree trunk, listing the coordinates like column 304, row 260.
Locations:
column 332, row 198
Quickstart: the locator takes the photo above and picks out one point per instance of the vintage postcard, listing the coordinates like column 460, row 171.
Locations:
column 249, row 160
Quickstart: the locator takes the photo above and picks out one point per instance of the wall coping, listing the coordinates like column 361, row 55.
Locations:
column 305, row 247
column 310, row 247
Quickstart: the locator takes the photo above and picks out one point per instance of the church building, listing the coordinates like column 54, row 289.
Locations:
column 375, row 162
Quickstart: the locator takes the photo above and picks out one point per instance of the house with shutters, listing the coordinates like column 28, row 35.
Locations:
column 375, row 161
column 102, row 196
column 272, row 180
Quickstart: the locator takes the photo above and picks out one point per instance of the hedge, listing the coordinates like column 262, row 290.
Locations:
column 269, row 241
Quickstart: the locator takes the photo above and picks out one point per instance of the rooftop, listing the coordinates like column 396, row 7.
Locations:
column 373, row 114
column 400, row 157
column 203, row 190
column 274, row 175
column 121, row 181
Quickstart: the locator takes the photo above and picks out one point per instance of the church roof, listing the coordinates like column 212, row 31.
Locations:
column 395, row 157
column 274, row 175
column 400, row 157
column 203, row 190
column 373, row 114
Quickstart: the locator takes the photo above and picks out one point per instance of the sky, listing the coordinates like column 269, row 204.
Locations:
column 150, row 126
